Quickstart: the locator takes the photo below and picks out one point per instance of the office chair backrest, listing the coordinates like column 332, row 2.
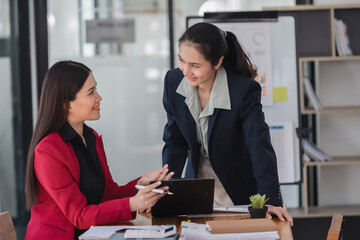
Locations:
column 7, row 230
column 334, row 232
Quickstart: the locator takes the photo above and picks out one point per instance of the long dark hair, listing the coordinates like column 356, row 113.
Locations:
column 62, row 81
column 213, row 43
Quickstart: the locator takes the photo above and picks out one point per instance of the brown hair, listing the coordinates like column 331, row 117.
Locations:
column 62, row 81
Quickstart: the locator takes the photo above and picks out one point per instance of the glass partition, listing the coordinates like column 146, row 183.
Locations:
column 7, row 160
column 129, row 75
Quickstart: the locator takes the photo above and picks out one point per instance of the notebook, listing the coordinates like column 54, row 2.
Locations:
column 190, row 196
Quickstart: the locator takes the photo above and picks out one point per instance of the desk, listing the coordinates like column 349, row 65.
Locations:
column 284, row 227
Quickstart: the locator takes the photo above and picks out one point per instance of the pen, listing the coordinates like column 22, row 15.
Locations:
column 154, row 190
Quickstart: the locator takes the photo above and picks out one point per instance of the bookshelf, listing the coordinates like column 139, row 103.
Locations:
column 315, row 30
column 327, row 109
column 327, row 210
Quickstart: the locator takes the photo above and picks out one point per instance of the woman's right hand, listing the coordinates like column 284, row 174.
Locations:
column 145, row 198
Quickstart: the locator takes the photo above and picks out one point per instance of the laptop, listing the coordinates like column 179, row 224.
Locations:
column 190, row 196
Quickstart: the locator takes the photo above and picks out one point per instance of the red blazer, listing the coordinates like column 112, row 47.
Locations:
column 61, row 206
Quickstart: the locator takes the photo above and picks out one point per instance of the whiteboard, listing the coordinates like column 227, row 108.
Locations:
column 282, row 115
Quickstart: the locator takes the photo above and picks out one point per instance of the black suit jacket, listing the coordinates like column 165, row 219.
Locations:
column 240, row 151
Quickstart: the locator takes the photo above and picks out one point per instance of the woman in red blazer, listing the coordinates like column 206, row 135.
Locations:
column 68, row 183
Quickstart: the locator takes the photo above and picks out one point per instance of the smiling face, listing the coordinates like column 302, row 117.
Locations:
column 197, row 70
column 86, row 105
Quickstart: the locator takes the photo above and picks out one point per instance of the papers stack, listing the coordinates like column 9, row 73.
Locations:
column 309, row 91
column 342, row 39
column 190, row 231
column 105, row 232
column 165, row 231
column 313, row 152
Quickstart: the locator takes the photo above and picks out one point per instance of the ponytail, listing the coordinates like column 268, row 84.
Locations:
column 236, row 57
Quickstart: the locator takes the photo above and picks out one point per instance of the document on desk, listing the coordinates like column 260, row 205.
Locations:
column 236, row 208
column 104, row 232
column 190, row 231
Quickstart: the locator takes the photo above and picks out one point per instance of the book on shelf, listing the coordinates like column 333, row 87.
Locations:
column 309, row 91
column 313, row 152
column 342, row 38
column 306, row 158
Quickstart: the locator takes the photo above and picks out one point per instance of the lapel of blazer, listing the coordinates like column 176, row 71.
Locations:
column 75, row 162
column 191, row 126
column 212, row 119
column 102, row 157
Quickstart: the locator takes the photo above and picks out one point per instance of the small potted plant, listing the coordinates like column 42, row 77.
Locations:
column 257, row 208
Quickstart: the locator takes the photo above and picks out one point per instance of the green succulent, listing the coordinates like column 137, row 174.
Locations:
column 258, row 201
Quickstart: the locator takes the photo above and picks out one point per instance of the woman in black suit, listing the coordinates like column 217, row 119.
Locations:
column 215, row 120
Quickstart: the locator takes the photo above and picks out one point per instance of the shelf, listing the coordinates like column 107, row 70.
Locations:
column 331, row 110
column 315, row 43
column 312, row 7
column 337, row 161
column 329, row 58
column 315, row 27
column 325, row 211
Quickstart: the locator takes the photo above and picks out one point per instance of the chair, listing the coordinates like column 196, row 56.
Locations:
column 7, row 230
column 335, row 229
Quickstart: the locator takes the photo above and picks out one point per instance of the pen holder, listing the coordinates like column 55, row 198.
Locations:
column 258, row 212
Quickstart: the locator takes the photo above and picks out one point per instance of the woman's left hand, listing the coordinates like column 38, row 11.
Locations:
column 280, row 212
column 157, row 175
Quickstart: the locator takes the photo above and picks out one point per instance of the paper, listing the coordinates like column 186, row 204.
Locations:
column 165, row 231
column 104, row 232
column 199, row 231
column 282, row 139
column 280, row 94
column 121, row 236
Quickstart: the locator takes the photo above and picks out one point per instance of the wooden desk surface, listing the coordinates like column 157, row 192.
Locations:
column 283, row 227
